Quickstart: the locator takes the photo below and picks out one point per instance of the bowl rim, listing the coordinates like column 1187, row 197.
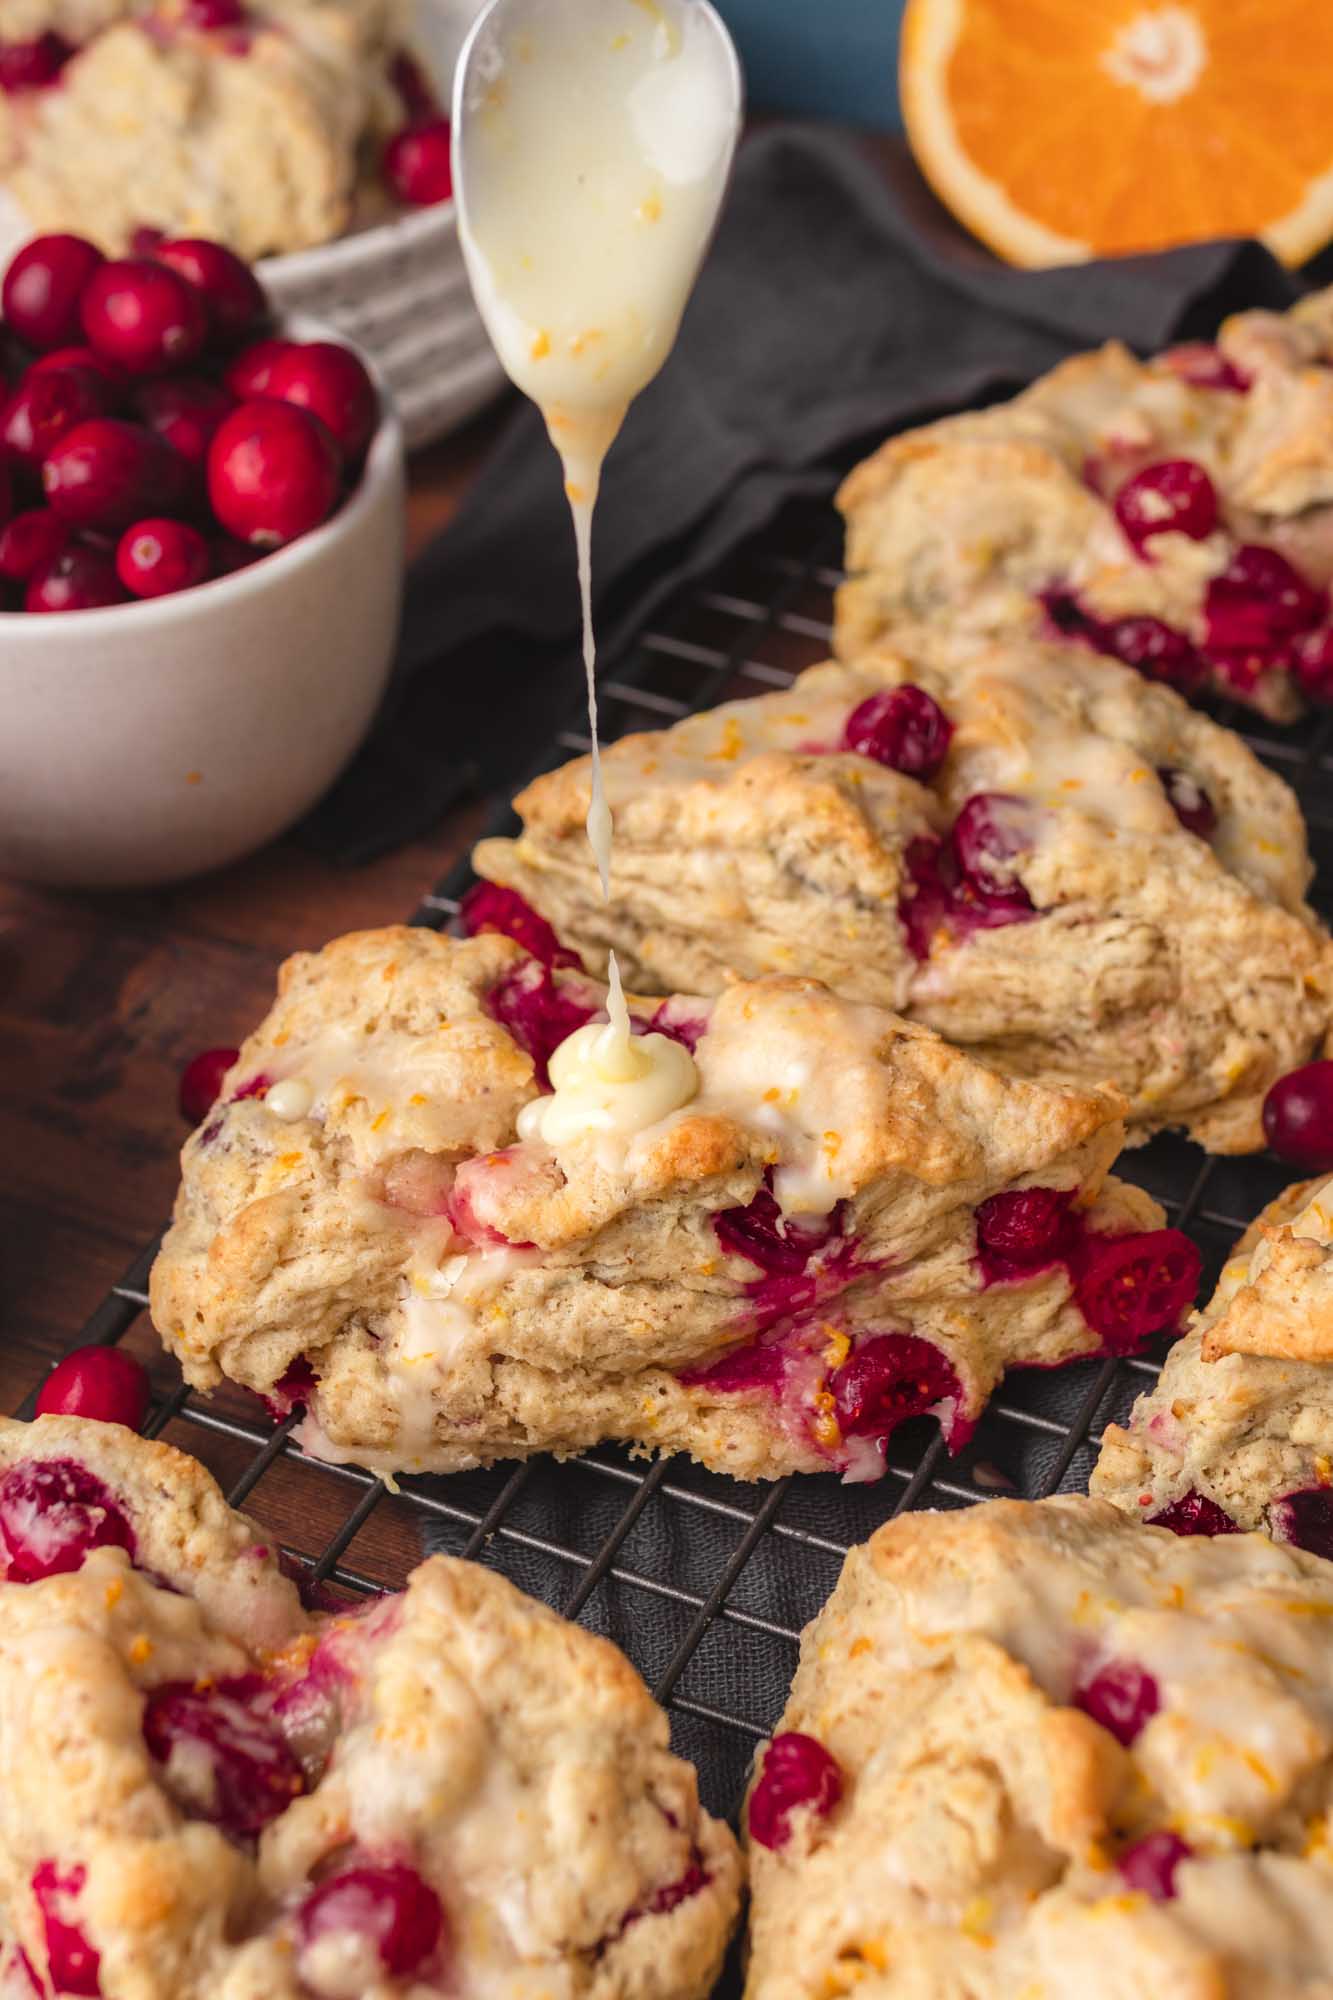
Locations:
column 382, row 467
column 343, row 253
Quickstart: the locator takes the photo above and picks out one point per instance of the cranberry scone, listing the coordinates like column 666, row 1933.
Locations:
column 1176, row 514
column 1056, row 864
column 1238, row 1431
column 1033, row 1752
column 836, row 1222
column 213, row 1794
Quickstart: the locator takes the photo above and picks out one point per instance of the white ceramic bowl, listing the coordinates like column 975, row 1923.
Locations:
column 148, row 742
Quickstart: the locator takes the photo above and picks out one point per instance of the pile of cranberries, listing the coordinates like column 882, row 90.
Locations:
column 153, row 435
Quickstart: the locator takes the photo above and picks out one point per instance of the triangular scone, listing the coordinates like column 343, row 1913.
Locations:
column 212, row 1793
column 1238, row 1431
column 1004, row 521
column 439, row 1294
column 1033, row 1752
column 1096, row 882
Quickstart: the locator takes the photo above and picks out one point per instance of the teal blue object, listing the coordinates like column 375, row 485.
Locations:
column 820, row 58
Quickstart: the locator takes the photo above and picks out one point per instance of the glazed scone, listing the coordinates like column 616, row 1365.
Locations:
column 1058, row 865
column 1010, row 520
column 1033, row 1752
column 1238, row 1431
column 848, row 1224
column 212, row 1794
column 249, row 135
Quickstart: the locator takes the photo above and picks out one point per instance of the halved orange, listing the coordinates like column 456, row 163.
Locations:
column 1064, row 129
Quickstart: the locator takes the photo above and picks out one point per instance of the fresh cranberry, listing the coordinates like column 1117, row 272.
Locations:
column 223, row 1759
column 71, row 1963
column 251, row 371
column 233, row 297
column 1257, row 600
column 755, row 1365
column 1021, row 1229
column 1194, row 1514
column 272, row 473
column 185, row 412
column 229, row 556
column 417, row 165
column 1175, row 496
column 1188, row 801
column 1150, row 1864
column 677, row 1019
column 414, row 87
column 255, row 1086
column 331, row 381
column 488, row 907
column 1312, row 662
column 293, row 1389
column 101, row 1382
column 201, row 1083
column 889, row 1378
column 386, row 1904
column 1204, row 366
column 1130, row 1287
column 45, row 407
column 538, row 1013
column 778, row 1245
column 213, row 14
column 143, row 316
column 86, row 358
column 1156, row 650
column 52, row 1512
column 43, row 286
column 926, row 903
column 988, row 836
column 106, row 473
column 156, row 558
column 798, row 1772
column 28, row 540
column 1122, row 1697
column 1298, row 1117
column 901, row 727
column 78, row 578
column 32, row 65
column 1305, row 1518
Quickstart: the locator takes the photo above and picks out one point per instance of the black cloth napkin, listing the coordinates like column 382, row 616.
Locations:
column 830, row 311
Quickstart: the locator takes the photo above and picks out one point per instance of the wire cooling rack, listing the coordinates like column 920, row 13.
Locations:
column 704, row 1582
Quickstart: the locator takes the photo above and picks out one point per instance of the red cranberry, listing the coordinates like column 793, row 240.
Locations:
column 71, row 1963
column 45, row 407
column 385, row 1903
column 201, row 1083
column 52, row 1512
column 1312, row 662
column 1305, row 1519
column 185, row 412
column 143, row 316
column 414, row 87
column 1258, row 599
column 77, row 579
column 1188, row 801
column 272, row 473
column 229, row 556
column 293, row 1389
column 798, row 1772
column 156, row 558
column 1122, row 1697
column 488, row 907
column 1173, row 497
column 989, row 834
column 106, row 473
column 331, row 381
column 251, row 372
column 101, row 1382
column 223, row 1759
column 676, row 1019
column 778, row 1245
column 756, row 1365
column 417, row 165
column 901, row 727
column 537, row 1012
column 43, row 286
column 889, row 1378
column 1150, row 1864
column 1021, row 1229
column 32, row 65
column 1206, row 367
column 86, row 358
column 30, row 539
column 233, row 297
column 1194, row 1514
column 1155, row 650
column 1130, row 1287
column 1298, row 1117
column 212, row 14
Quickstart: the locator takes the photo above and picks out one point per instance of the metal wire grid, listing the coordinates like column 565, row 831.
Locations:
column 705, row 1582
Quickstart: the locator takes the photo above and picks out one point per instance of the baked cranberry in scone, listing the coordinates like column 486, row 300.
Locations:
column 1034, row 1749
column 216, row 1794
column 834, row 1221
column 1176, row 514
column 1059, row 866
column 1238, row 1431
